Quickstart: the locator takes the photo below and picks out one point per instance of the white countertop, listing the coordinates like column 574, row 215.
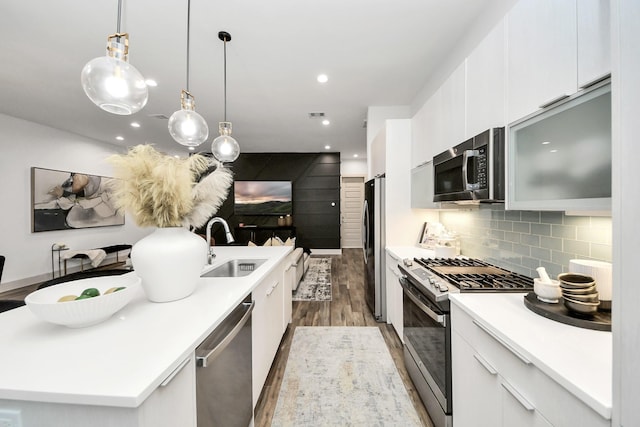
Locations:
column 578, row 359
column 121, row 361
column 402, row 252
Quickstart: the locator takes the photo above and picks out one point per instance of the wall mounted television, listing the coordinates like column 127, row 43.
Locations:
column 262, row 198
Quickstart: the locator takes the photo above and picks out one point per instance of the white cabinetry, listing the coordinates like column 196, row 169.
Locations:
column 495, row 384
column 594, row 40
column 440, row 123
column 394, row 295
column 452, row 110
column 288, row 278
column 173, row 403
column 554, row 49
column 541, row 54
column 422, row 187
column 485, row 89
column 420, row 137
column 266, row 327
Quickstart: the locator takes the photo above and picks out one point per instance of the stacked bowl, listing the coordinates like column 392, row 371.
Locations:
column 579, row 293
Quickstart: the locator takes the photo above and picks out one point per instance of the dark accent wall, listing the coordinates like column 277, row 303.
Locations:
column 315, row 181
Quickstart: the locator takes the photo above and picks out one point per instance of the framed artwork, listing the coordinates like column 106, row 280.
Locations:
column 69, row 200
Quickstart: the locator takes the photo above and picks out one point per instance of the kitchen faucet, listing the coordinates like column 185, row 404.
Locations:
column 230, row 239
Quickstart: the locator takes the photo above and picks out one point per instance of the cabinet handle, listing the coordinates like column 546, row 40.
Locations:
column 595, row 81
column 175, row 372
column 272, row 288
column 289, row 266
column 516, row 395
column 501, row 341
column 554, row 100
column 485, row 364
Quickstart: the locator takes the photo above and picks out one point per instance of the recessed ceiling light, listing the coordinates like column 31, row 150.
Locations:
column 327, row 147
column 135, row 124
column 322, row 78
column 553, row 151
column 151, row 82
column 546, row 143
column 355, row 155
column 192, row 148
column 326, row 122
column 120, row 138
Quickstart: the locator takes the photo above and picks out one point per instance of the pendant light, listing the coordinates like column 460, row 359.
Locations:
column 224, row 147
column 110, row 81
column 185, row 125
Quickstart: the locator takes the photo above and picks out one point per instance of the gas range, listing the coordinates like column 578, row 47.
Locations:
column 438, row 277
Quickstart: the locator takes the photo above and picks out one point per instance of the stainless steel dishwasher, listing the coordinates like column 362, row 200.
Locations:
column 223, row 375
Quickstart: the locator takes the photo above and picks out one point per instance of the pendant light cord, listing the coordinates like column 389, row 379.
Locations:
column 225, row 79
column 119, row 16
column 188, row 31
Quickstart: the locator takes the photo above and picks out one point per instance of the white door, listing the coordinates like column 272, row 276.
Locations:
column 351, row 200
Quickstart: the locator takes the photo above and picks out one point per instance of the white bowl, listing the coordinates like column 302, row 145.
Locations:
column 547, row 292
column 86, row 312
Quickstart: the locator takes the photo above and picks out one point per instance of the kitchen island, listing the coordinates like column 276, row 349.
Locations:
column 514, row 367
column 112, row 369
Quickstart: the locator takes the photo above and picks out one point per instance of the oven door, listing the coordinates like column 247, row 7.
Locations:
column 427, row 336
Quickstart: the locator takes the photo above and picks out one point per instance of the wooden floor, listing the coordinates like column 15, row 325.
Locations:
column 347, row 308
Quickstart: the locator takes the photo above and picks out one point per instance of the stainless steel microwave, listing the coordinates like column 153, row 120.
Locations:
column 472, row 171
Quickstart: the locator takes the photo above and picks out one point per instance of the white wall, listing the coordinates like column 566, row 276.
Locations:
column 353, row 167
column 25, row 144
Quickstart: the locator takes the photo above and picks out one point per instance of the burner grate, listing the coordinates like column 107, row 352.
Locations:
column 473, row 275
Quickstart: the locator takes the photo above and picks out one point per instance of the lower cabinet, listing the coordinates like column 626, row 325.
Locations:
column 267, row 326
column 495, row 385
column 172, row 403
column 394, row 295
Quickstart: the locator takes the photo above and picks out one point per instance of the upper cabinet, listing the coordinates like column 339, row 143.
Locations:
column 594, row 41
column 541, row 54
column 378, row 154
column 452, row 110
column 485, row 106
column 420, row 149
column 554, row 48
column 440, row 123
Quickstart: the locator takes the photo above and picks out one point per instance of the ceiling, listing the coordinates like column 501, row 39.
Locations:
column 375, row 52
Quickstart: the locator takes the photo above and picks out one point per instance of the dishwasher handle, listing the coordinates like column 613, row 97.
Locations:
column 202, row 360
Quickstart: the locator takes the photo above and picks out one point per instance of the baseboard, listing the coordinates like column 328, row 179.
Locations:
column 326, row 251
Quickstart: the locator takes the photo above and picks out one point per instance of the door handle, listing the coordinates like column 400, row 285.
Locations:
column 203, row 360
column 516, row 395
column 501, row 341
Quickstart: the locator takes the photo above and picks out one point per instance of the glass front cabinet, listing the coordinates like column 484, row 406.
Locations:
column 560, row 158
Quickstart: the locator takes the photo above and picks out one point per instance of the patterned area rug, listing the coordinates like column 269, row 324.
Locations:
column 316, row 283
column 342, row 376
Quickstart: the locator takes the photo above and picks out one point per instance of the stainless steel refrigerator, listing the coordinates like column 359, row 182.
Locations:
column 373, row 244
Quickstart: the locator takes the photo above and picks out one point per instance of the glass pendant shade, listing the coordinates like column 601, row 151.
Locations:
column 112, row 83
column 224, row 147
column 186, row 126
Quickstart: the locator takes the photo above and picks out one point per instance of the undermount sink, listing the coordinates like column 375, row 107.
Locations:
column 235, row 268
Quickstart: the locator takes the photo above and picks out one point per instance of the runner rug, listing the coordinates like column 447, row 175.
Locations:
column 342, row 376
column 316, row 282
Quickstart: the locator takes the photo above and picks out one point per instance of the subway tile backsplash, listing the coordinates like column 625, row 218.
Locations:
column 522, row 241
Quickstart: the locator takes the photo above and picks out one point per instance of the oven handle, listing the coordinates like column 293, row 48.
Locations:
column 439, row 318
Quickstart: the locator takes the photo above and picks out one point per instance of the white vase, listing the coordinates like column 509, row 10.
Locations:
column 169, row 262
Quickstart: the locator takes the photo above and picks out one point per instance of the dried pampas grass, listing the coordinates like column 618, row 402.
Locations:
column 163, row 191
